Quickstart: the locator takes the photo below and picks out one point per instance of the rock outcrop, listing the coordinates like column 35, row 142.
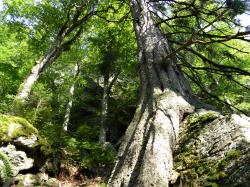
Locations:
column 39, row 179
column 213, row 150
column 21, row 148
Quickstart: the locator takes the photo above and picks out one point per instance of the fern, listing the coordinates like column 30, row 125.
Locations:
column 6, row 168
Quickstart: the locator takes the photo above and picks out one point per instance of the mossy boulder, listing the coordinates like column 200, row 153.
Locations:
column 21, row 147
column 13, row 127
column 213, row 150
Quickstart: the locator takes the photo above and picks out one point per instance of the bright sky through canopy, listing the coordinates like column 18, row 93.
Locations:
column 244, row 18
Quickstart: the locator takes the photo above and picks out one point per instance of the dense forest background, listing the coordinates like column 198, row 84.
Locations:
column 85, row 96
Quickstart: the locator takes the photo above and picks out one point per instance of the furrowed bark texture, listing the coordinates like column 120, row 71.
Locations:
column 145, row 155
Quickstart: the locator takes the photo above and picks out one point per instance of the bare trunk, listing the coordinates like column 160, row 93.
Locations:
column 71, row 96
column 51, row 55
column 103, row 128
column 107, row 86
column 145, row 156
column 39, row 104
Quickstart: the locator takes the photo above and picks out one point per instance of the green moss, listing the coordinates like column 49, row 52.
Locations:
column 103, row 185
column 194, row 124
column 194, row 169
column 208, row 173
column 45, row 147
column 231, row 155
column 6, row 168
column 12, row 127
column 201, row 119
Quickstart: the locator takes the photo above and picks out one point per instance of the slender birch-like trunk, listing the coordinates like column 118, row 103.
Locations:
column 71, row 96
column 107, row 86
column 51, row 55
column 104, row 113
column 70, row 31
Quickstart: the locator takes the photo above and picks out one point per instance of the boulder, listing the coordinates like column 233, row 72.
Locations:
column 19, row 159
column 21, row 147
column 29, row 180
column 213, row 150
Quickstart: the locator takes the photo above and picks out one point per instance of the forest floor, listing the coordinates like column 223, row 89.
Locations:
column 95, row 182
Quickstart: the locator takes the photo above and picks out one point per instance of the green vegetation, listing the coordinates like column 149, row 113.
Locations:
column 5, row 167
column 209, row 47
column 13, row 127
column 203, row 172
column 194, row 168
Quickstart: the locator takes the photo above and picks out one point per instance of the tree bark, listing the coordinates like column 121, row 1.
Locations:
column 145, row 156
column 71, row 96
column 107, row 86
column 104, row 113
column 51, row 55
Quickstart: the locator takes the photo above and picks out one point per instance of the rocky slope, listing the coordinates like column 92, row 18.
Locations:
column 22, row 150
column 213, row 150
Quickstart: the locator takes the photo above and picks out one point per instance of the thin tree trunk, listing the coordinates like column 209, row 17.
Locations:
column 107, row 86
column 71, row 96
column 39, row 104
column 104, row 113
column 68, row 34
column 145, row 156
column 48, row 58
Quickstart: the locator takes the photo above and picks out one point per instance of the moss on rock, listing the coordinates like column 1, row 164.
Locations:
column 195, row 167
column 12, row 127
column 193, row 124
column 197, row 170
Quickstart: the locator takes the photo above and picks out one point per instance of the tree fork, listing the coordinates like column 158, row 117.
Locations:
column 60, row 44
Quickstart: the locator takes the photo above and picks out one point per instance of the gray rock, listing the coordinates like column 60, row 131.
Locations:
column 22, row 146
column 214, row 150
column 19, row 159
column 29, row 180
column 27, row 141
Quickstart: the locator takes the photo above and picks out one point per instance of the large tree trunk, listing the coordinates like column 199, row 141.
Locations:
column 145, row 155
